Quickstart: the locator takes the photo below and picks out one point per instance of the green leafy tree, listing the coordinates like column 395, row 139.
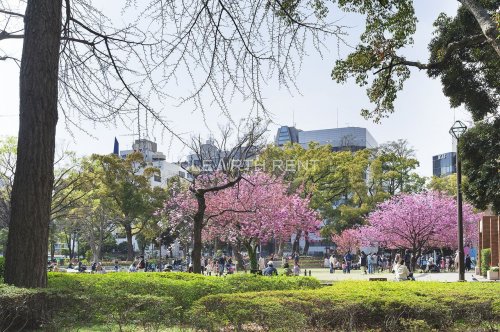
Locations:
column 464, row 55
column 8, row 154
column 398, row 166
column 447, row 184
column 127, row 183
column 481, row 150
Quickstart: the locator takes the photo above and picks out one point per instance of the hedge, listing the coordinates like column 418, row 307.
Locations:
column 141, row 299
column 348, row 306
column 247, row 302
column 20, row 308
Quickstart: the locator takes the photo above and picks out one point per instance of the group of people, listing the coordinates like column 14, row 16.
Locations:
column 371, row 262
column 444, row 263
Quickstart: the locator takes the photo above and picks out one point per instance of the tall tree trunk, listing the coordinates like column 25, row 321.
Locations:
column 130, row 246
column 197, row 229
column 68, row 243
column 281, row 245
column 296, row 243
column 485, row 21
column 27, row 245
column 252, row 255
column 52, row 250
column 72, row 248
column 306, row 244
column 240, row 263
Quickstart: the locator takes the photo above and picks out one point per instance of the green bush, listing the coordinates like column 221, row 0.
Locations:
column 351, row 306
column 485, row 261
column 21, row 308
column 97, row 297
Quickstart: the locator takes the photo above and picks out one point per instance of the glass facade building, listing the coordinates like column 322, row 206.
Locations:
column 287, row 134
column 444, row 164
column 348, row 138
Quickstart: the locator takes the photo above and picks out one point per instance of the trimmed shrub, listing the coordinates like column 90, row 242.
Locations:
column 485, row 261
column 353, row 306
column 95, row 298
column 21, row 308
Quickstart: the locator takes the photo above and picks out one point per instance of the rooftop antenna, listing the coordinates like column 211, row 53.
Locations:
column 293, row 117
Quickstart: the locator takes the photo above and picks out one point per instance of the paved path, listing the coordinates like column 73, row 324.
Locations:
column 326, row 276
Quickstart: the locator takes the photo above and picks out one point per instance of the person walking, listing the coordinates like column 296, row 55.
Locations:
column 373, row 263
column 222, row 263
column 348, row 262
column 408, row 259
column 369, row 261
column 296, row 269
column 468, row 263
column 333, row 263
column 363, row 262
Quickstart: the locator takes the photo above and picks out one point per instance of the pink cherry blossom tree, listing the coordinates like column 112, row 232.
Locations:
column 257, row 210
column 418, row 222
column 347, row 241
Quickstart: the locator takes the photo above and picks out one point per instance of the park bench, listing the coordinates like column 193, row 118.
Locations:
column 377, row 279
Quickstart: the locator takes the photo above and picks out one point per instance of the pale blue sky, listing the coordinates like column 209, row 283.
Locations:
column 422, row 116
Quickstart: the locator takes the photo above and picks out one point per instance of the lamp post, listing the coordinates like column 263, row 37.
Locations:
column 457, row 130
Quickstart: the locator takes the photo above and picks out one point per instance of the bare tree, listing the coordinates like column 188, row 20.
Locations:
column 77, row 60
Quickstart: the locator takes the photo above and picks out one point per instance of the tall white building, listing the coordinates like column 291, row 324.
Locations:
column 154, row 158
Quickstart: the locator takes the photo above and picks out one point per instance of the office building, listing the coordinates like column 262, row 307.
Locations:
column 444, row 164
column 154, row 158
column 347, row 138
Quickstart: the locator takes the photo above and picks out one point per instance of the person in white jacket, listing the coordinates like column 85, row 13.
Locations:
column 402, row 273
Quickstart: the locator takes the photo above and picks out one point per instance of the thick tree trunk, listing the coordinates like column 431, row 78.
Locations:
column 27, row 246
column 306, row 244
column 52, row 250
column 252, row 255
column 197, row 229
column 485, row 21
column 240, row 263
column 130, row 246
column 296, row 243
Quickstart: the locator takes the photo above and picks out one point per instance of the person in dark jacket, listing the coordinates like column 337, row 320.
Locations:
column 468, row 263
column 270, row 270
column 364, row 262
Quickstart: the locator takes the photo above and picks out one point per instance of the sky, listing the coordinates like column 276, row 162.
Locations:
column 423, row 115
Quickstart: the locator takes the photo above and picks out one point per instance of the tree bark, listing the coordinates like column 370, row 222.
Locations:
column 306, row 244
column 485, row 21
column 252, row 255
column 130, row 246
column 27, row 245
column 240, row 263
column 197, row 229
column 296, row 243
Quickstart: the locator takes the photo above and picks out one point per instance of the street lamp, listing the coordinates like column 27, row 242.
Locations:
column 457, row 130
